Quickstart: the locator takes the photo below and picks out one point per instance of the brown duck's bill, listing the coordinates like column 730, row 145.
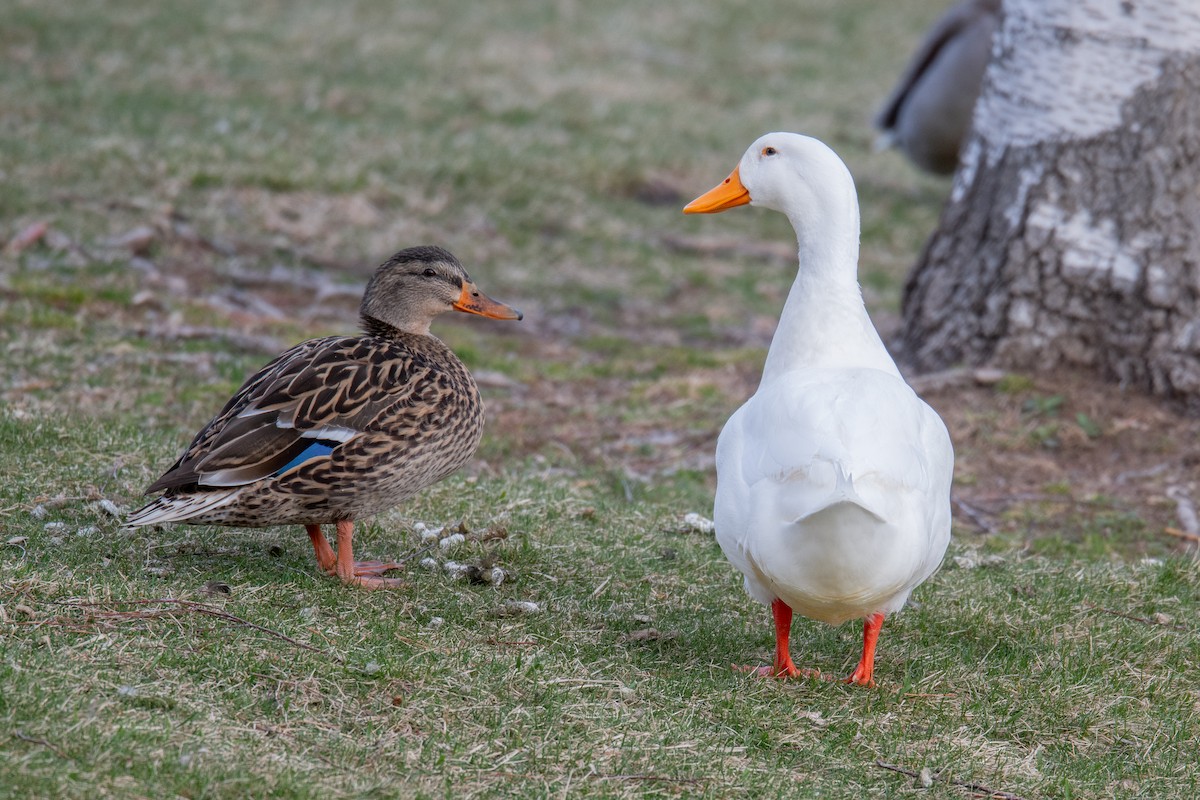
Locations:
column 728, row 194
column 474, row 301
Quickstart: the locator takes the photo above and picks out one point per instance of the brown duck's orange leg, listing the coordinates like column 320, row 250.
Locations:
column 864, row 672
column 364, row 573
column 783, row 666
column 326, row 560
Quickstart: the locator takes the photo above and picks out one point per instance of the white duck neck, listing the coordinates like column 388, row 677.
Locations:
column 824, row 322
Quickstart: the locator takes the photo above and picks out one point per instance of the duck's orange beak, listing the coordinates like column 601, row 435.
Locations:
column 473, row 301
column 727, row 194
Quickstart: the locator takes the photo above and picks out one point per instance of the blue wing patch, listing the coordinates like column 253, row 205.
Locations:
column 320, row 447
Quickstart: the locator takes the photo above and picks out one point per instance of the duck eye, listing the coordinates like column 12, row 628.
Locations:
column 430, row 273
column 769, row 151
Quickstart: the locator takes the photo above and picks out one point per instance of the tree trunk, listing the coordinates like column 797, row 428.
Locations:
column 1072, row 235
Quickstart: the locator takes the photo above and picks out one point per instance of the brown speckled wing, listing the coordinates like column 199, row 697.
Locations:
column 328, row 390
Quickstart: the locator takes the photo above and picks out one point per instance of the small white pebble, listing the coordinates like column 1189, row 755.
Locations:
column 429, row 563
column 698, row 523
column 55, row 527
column 437, row 622
column 451, row 540
column 39, row 512
column 109, row 507
column 427, row 533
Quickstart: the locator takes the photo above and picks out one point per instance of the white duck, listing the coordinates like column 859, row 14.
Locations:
column 833, row 480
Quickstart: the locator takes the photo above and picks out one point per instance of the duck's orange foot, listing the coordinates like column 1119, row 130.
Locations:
column 858, row 679
column 341, row 564
column 783, row 673
column 864, row 673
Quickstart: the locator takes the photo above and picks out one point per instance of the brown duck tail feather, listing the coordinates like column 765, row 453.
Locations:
column 180, row 507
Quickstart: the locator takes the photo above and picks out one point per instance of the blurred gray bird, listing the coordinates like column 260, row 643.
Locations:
column 928, row 114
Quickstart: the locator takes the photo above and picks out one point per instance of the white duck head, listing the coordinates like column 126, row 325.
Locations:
column 802, row 178
column 824, row 321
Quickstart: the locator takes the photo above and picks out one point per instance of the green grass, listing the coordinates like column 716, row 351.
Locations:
column 1015, row 674
column 551, row 147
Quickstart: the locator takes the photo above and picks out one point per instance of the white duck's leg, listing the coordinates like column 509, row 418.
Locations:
column 783, row 667
column 864, row 672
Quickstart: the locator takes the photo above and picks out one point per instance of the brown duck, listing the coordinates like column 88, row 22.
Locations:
column 342, row 427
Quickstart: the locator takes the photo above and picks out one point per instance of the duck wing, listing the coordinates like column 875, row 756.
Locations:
column 303, row 405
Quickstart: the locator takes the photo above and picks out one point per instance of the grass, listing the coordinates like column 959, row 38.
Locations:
column 280, row 147
column 1015, row 673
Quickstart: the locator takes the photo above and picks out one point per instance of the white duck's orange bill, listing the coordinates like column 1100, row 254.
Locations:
column 728, row 194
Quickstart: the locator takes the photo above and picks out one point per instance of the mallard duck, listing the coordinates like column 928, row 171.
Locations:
column 833, row 480
column 341, row 427
column 928, row 114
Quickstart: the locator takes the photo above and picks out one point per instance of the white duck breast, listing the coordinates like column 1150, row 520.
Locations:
column 833, row 480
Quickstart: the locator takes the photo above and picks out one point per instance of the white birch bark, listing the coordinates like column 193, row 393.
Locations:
column 1072, row 235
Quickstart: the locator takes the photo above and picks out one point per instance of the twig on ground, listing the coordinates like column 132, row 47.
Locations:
column 955, row 378
column 204, row 610
column 650, row 778
column 976, row 788
column 1143, row 620
column 24, row 737
column 1191, row 537
column 417, row 552
column 1148, row 472
column 975, row 514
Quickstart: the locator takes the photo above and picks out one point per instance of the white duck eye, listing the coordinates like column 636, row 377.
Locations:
column 769, row 151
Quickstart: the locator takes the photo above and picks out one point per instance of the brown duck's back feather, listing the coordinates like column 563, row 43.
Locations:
column 397, row 412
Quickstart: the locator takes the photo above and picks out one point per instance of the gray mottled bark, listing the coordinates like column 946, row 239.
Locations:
column 1072, row 236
